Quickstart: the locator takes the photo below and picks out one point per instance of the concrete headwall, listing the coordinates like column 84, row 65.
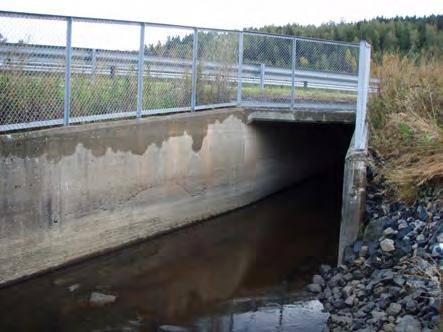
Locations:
column 354, row 195
column 66, row 193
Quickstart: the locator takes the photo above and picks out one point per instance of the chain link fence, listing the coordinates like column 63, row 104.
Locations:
column 336, row 68
column 32, row 67
column 167, row 71
column 267, row 68
column 63, row 70
column 217, row 61
column 103, row 73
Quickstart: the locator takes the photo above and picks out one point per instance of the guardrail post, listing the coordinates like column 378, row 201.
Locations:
column 262, row 76
column 194, row 70
column 68, row 56
column 294, row 61
column 93, row 64
column 240, row 68
column 364, row 62
column 141, row 62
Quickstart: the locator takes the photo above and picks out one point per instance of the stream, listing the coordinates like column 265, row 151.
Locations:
column 245, row 270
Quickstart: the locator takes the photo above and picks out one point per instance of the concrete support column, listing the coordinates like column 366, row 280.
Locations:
column 354, row 197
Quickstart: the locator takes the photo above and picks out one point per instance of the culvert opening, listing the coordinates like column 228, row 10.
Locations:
column 243, row 269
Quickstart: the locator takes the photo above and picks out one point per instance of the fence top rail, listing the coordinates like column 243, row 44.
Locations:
column 167, row 25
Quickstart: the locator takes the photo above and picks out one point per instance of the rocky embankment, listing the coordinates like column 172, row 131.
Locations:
column 390, row 278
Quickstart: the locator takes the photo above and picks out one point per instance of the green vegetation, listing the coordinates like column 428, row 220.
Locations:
column 30, row 96
column 284, row 93
column 27, row 97
column 404, row 35
column 414, row 36
column 102, row 95
column 271, row 51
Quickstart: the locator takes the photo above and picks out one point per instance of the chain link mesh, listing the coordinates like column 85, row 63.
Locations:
column 167, row 76
column 325, row 56
column 329, row 58
column 217, row 67
column 276, row 71
column 103, row 70
column 267, row 69
column 32, row 62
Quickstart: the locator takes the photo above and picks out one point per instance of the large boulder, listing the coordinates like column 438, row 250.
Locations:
column 374, row 229
column 408, row 324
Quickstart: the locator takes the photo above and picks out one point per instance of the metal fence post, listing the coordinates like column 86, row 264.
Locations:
column 68, row 55
column 194, row 70
column 141, row 62
column 294, row 61
column 240, row 68
column 364, row 62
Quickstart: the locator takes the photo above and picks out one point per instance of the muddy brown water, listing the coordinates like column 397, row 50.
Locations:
column 242, row 271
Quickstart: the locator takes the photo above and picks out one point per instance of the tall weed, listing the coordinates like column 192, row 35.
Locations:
column 406, row 121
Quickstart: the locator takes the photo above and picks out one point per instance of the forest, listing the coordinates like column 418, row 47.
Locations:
column 405, row 35
column 415, row 35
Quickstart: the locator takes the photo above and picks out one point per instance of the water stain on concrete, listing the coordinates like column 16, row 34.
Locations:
column 133, row 136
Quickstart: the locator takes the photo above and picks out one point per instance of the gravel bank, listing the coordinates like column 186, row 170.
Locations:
column 390, row 278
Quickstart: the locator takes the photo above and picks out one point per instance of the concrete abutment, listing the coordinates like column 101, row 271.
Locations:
column 68, row 193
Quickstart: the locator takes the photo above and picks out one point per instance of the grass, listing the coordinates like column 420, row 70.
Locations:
column 102, row 95
column 26, row 97
column 284, row 92
column 406, row 122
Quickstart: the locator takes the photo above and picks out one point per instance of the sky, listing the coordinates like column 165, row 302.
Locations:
column 232, row 14
column 229, row 14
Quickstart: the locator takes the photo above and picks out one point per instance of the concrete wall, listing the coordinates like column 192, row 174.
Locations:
column 354, row 195
column 66, row 193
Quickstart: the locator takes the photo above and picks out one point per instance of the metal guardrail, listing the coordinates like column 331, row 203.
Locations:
column 44, row 59
column 56, row 83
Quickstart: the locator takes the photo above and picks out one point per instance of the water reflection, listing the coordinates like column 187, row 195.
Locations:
column 299, row 316
column 243, row 271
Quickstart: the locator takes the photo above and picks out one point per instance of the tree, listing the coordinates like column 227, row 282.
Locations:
column 416, row 35
column 304, row 63
column 350, row 60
